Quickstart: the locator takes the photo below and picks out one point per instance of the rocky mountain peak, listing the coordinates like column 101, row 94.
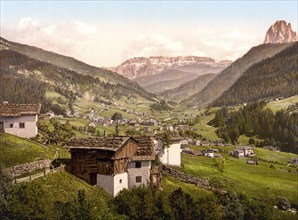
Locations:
column 142, row 66
column 280, row 32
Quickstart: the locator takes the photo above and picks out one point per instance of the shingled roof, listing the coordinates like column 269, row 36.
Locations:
column 16, row 110
column 173, row 136
column 145, row 150
column 145, row 145
column 103, row 143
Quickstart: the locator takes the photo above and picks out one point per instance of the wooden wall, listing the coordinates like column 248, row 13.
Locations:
column 86, row 162
column 124, row 155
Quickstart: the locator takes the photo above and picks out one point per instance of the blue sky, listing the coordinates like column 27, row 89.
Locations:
column 112, row 31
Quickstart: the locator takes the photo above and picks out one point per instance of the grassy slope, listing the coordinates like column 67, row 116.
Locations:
column 282, row 104
column 206, row 130
column 255, row 181
column 15, row 150
column 169, row 185
column 64, row 187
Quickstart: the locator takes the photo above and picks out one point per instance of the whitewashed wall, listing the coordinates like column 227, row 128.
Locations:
column 144, row 172
column 170, row 155
column 112, row 184
column 30, row 129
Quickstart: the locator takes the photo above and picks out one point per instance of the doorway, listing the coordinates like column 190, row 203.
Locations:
column 93, row 177
column 1, row 126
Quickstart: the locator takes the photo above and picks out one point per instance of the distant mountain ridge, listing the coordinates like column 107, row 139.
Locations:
column 280, row 32
column 159, row 73
column 141, row 66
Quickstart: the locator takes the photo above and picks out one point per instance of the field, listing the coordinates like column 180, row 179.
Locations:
column 15, row 150
column 282, row 104
column 169, row 185
column 259, row 181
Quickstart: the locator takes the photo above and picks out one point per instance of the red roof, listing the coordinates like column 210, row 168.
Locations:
column 16, row 110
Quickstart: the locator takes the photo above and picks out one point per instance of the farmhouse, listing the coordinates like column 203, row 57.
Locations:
column 169, row 155
column 208, row 153
column 113, row 163
column 248, row 151
column 239, row 153
column 19, row 119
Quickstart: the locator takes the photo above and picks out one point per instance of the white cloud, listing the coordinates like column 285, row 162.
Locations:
column 110, row 44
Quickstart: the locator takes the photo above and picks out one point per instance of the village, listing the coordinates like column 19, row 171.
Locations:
column 121, row 161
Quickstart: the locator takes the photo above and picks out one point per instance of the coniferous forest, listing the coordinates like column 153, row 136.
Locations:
column 279, row 129
column 271, row 78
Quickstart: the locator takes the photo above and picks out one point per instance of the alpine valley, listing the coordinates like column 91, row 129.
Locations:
column 157, row 137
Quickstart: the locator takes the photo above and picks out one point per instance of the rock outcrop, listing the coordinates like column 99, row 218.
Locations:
column 280, row 32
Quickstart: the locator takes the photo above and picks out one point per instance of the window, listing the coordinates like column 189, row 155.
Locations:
column 11, row 125
column 138, row 179
column 138, row 164
column 22, row 125
column 120, row 181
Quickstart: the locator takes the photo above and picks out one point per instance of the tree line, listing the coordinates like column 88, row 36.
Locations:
column 29, row 201
column 278, row 129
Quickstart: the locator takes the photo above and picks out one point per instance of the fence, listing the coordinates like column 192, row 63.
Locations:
column 45, row 172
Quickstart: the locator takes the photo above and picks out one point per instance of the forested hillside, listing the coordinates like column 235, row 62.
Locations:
column 27, row 80
column 104, row 81
column 278, row 129
column 271, row 78
column 231, row 74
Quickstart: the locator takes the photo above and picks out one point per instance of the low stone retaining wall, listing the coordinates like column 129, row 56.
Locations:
column 28, row 167
column 187, row 178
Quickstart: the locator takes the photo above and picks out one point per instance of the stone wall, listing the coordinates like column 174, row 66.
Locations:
column 203, row 183
column 29, row 167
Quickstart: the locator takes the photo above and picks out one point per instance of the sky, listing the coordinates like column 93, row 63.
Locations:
column 106, row 33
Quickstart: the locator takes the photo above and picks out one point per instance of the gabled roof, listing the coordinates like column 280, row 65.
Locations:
column 173, row 136
column 16, row 110
column 244, row 148
column 145, row 150
column 102, row 143
column 145, row 145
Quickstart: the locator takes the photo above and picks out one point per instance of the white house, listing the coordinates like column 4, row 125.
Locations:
column 19, row 119
column 208, row 153
column 170, row 155
column 113, row 163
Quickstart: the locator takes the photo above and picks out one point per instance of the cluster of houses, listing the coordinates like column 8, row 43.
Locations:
column 116, row 163
column 113, row 163
column 243, row 151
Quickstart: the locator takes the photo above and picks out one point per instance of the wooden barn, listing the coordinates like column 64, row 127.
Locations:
column 114, row 163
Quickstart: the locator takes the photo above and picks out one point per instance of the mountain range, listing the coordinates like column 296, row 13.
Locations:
column 157, row 74
column 265, row 71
